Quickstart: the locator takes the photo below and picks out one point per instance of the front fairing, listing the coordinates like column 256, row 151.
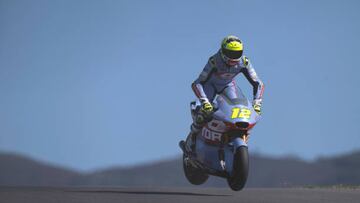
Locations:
column 233, row 112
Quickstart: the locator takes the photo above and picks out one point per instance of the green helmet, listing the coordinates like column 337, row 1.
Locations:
column 231, row 49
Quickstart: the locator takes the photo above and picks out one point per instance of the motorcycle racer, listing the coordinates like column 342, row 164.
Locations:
column 217, row 75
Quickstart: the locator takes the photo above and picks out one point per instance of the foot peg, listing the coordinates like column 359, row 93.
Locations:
column 222, row 164
column 222, row 159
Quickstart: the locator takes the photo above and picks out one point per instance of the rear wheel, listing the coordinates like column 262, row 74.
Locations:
column 239, row 175
column 194, row 175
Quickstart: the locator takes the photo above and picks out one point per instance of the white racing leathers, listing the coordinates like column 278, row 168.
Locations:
column 217, row 75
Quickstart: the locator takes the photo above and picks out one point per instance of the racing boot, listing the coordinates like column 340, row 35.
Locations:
column 199, row 120
column 191, row 142
column 188, row 146
column 191, row 139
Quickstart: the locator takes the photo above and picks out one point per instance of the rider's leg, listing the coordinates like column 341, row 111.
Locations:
column 199, row 118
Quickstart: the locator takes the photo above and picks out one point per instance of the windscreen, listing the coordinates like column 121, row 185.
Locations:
column 234, row 96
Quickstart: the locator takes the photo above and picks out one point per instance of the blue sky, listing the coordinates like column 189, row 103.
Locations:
column 92, row 84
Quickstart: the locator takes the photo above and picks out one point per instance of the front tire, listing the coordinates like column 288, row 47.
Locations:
column 239, row 175
column 194, row 175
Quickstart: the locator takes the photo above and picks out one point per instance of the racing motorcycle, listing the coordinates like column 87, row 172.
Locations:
column 221, row 146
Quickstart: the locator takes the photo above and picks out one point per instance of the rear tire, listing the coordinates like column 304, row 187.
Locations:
column 194, row 175
column 239, row 176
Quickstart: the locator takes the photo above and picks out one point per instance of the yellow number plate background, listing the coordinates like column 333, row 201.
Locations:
column 240, row 113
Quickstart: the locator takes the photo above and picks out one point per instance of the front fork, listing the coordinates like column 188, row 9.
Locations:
column 235, row 144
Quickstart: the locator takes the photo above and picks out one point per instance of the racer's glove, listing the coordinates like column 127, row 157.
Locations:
column 257, row 106
column 206, row 106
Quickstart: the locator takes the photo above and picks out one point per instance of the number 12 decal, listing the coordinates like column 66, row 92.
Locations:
column 240, row 113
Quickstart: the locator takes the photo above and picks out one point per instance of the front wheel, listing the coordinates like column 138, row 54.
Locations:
column 239, row 175
column 194, row 175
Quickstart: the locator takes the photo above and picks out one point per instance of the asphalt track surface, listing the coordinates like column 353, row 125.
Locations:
column 172, row 195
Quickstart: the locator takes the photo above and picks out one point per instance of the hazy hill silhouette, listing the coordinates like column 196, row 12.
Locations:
column 265, row 172
column 20, row 170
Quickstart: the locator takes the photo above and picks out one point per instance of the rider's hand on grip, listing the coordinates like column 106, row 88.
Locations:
column 257, row 108
column 207, row 107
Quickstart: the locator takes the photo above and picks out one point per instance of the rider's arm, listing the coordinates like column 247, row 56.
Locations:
column 206, row 73
column 251, row 76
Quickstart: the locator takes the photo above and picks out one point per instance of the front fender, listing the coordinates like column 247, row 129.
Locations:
column 238, row 142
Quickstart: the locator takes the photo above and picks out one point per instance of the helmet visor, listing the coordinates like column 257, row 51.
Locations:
column 232, row 54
